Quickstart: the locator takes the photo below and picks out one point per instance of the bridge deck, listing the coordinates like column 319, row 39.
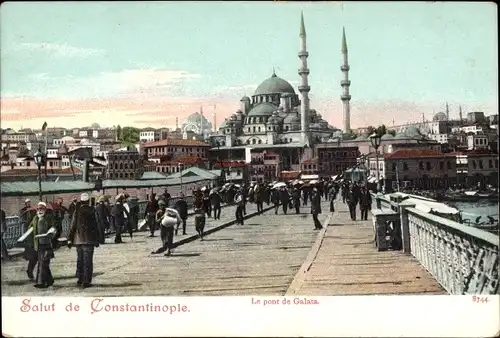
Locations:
column 348, row 263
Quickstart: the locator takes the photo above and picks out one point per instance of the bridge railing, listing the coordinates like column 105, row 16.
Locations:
column 15, row 228
column 463, row 259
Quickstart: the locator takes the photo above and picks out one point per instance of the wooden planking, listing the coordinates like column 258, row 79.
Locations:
column 349, row 264
column 260, row 257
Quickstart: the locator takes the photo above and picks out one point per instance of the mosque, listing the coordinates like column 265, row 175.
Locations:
column 278, row 118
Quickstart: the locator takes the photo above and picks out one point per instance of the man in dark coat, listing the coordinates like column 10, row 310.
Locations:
column 316, row 208
column 332, row 196
column 59, row 213
column 118, row 218
column 284, row 197
column 351, row 201
column 84, row 235
column 26, row 215
column 258, row 196
column 199, row 214
column 150, row 214
column 365, row 203
column 5, row 252
column 207, row 205
column 182, row 208
column 71, row 208
column 275, row 199
column 102, row 215
column 244, row 193
column 166, row 197
column 296, row 199
column 239, row 200
column 216, row 201
column 43, row 224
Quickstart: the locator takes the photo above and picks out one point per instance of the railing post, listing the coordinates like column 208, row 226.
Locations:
column 405, row 226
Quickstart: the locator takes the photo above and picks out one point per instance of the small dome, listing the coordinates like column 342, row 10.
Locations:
column 401, row 136
column 67, row 139
column 223, row 124
column 360, row 138
column 315, row 126
column 262, row 109
column 245, row 99
column 338, row 133
column 286, row 95
column 274, row 120
column 387, row 137
column 291, row 119
column 412, row 131
column 196, row 118
column 274, row 85
column 440, row 117
column 95, row 126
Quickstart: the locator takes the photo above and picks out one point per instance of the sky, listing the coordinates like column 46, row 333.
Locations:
column 147, row 63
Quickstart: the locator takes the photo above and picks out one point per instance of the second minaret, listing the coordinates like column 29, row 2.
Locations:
column 345, row 83
column 304, row 84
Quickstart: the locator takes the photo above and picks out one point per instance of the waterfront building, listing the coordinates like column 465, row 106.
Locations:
column 420, row 168
column 477, row 167
column 125, row 164
column 152, row 134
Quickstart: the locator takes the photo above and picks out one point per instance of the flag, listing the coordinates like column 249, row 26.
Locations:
column 44, row 126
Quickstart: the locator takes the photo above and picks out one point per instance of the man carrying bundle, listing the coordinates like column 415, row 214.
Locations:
column 168, row 219
column 199, row 217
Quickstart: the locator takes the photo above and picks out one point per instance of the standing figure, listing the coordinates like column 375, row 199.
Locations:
column 238, row 199
column 127, row 214
column 182, row 208
column 259, row 197
column 216, row 200
column 275, row 199
column 207, row 206
column 26, row 215
column 167, row 218
column 118, row 220
column 150, row 213
column 244, row 194
column 5, row 252
column 351, row 203
column 71, row 208
column 316, row 208
column 284, row 197
column 84, row 235
column 305, row 195
column 296, row 199
column 333, row 196
column 59, row 213
column 199, row 214
column 102, row 215
column 43, row 224
column 365, row 203
column 166, row 197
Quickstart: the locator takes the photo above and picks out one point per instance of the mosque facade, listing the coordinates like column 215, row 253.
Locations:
column 276, row 115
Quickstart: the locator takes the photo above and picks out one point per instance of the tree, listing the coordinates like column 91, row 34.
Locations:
column 370, row 130
column 391, row 132
column 381, row 130
column 129, row 135
column 118, row 133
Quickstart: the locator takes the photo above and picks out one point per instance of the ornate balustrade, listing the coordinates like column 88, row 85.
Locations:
column 463, row 259
column 15, row 228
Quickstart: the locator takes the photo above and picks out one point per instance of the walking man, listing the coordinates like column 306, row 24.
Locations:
column 239, row 200
column 275, row 198
column 259, row 197
column 102, row 214
column 284, row 197
column 351, row 203
column 43, row 225
column 167, row 218
column 26, row 215
column 118, row 218
column 216, row 201
column 296, row 199
column 199, row 214
column 150, row 213
column 365, row 203
column 316, row 207
column 84, row 235
column 182, row 208
column 5, row 252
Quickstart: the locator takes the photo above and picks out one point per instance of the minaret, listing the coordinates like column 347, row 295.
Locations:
column 345, row 83
column 447, row 112
column 304, row 84
column 460, row 113
column 201, row 121
column 176, row 123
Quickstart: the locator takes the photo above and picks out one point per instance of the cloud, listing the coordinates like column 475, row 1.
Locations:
column 128, row 83
column 61, row 50
column 234, row 91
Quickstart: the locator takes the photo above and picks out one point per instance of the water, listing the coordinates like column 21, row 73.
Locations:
column 471, row 210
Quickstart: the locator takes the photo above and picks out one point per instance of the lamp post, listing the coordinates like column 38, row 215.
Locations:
column 39, row 162
column 375, row 141
column 179, row 167
column 223, row 175
column 362, row 160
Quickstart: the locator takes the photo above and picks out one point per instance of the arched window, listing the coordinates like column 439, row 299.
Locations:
column 248, row 141
column 258, row 129
column 253, row 141
column 125, row 165
column 120, row 166
column 260, row 141
column 254, row 129
column 116, row 165
column 286, row 128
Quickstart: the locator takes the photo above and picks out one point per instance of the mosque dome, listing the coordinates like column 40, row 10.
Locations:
column 223, row 124
column 440, row 117
column 245, row 98
column 95, row 126
column 412, row 132
column 291, row 119
column 274, row 85
column 262, row 109
column 387, row 137
column 360, row 138
column 196, row 118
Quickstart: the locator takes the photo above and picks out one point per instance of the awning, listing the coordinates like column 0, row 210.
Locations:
column 309, row 177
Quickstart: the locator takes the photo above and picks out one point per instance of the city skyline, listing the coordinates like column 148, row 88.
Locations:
column 124, row 64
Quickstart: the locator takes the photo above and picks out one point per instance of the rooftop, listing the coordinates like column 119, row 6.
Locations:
column 416, row 153
column 175, row 142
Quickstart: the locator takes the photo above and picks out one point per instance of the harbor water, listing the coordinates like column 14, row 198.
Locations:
column 472, row 210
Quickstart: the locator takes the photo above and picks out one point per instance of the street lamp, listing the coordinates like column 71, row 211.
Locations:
column 362, row 160
column 179, row 169
column 222, row 173
column 375, row 141
column 38, row 156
